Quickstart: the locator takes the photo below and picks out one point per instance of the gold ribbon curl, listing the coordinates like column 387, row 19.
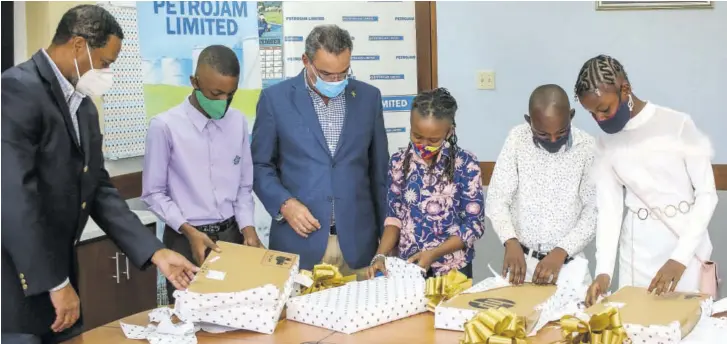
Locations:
column 445, row 287
column 325, row 276
column 495, row 326
column 603, row 328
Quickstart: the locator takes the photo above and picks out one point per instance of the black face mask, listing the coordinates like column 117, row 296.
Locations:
column 550, row 146
column 619, row 120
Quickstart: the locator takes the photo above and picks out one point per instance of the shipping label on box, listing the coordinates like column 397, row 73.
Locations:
column 240, row 288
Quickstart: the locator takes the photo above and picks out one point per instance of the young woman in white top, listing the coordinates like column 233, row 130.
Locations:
column 663, row 162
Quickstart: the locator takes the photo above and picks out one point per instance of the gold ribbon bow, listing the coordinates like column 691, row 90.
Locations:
column 495, row 326
column 325, row 276
column 603, row 328
column 445, row 287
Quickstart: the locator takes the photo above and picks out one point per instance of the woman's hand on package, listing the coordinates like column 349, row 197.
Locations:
column 599, row 287
column 378, row 265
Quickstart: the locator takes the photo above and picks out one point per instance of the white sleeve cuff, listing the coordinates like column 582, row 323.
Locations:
column 61, row 286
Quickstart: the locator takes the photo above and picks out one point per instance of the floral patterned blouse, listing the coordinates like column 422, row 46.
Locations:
column 429, row 209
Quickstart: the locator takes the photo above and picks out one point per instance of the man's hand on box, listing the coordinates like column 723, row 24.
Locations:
column 514, row 262
column 667, row 277
column 548, row 269
column 198, row 242
column 175, row 267
column 250, row 237
column 599, row 287
column 299, row 217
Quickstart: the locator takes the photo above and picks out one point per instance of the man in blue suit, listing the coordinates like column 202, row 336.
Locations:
column 320, row 153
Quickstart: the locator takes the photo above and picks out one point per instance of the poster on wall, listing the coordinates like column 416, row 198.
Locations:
column 124, row 112
column 173, row 33
column 384, row 51
column 270, row 29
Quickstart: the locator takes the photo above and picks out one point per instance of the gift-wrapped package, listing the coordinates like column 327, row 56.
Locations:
column 521, row 300
column 535, row 305
column 357, row 306
column 240, row 288
column 650, row 318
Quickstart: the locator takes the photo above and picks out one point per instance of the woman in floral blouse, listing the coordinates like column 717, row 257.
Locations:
column 435, row 198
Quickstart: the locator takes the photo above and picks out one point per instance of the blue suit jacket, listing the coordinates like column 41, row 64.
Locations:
column 292, row 159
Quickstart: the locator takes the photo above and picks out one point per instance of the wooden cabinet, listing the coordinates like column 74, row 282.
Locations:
column 110, row 286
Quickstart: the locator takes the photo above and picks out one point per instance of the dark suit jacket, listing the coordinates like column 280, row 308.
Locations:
column 292, row 159
column 51, row 184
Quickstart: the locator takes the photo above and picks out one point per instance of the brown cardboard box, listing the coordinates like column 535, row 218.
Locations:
column 240, row 288
column 244, row 268
column 642, row 308
column 521, row 300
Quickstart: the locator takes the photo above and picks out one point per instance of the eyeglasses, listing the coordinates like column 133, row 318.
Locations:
column 332, row 77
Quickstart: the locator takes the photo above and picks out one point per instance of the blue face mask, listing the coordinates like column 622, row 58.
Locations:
column 618, row 121
column 330, row 89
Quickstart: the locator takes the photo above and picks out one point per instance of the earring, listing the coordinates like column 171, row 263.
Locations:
column 631, row 103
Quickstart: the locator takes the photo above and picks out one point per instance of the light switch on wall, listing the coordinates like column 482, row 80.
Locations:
column 486, row 80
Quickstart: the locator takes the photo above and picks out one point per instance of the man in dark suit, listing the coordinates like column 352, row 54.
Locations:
column 53, row 179
column 320, row 153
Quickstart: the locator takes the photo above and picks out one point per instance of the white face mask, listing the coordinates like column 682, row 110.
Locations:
column 95, row 82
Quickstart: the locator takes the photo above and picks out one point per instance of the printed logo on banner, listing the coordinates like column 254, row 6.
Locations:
column 406, row 57
column 403, row 18
column 395, row 130
column 397, row 103
column 305, row 18
column 386, row 38
column 386, row 77
column 365, row 58
column 360, row 18
column 294, row 38
column 294, row 59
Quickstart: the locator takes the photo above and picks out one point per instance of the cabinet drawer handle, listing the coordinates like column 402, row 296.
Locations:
column 116, row 260
column 128, row 276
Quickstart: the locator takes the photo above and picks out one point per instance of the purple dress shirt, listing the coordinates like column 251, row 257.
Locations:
column 198, row 170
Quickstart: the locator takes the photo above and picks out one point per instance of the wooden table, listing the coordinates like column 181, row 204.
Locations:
column 417, row 329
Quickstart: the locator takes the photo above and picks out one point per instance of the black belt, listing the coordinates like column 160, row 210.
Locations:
column 333, row 230
column 218, row 227
column 540, row 255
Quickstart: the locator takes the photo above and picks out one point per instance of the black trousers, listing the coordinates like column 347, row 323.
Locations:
column 179, row 243
column 49, row 338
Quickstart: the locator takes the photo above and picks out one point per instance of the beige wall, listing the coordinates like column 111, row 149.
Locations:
column 41, row 20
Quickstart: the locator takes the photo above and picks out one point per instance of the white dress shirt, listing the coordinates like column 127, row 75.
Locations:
column 662, row 156
column 545, row 200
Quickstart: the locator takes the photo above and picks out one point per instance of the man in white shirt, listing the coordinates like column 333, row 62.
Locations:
column 541, row 200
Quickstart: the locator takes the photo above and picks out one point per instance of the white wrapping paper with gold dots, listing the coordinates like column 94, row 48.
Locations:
column 357, row 306
column 124, row 113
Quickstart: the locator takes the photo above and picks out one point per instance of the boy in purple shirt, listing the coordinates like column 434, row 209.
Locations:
column 197, row 167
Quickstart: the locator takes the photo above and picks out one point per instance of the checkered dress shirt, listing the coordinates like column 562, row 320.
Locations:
column 73, row 98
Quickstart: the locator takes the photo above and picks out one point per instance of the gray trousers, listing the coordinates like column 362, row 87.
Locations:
column 179, row 243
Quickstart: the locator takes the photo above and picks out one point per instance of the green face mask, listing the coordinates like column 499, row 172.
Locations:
column 215, row 108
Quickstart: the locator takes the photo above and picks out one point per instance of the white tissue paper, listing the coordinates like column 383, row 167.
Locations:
column 357, row 306
column 568, row 298
column 165, row 332
column 256, row 309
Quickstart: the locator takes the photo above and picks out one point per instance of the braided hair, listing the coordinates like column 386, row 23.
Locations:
column 602, row 69
column 440, row 104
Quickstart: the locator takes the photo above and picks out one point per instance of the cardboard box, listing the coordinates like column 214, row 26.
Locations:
column 357, row 306
column 241, row 288
column 521, row 300
column 639, row 308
